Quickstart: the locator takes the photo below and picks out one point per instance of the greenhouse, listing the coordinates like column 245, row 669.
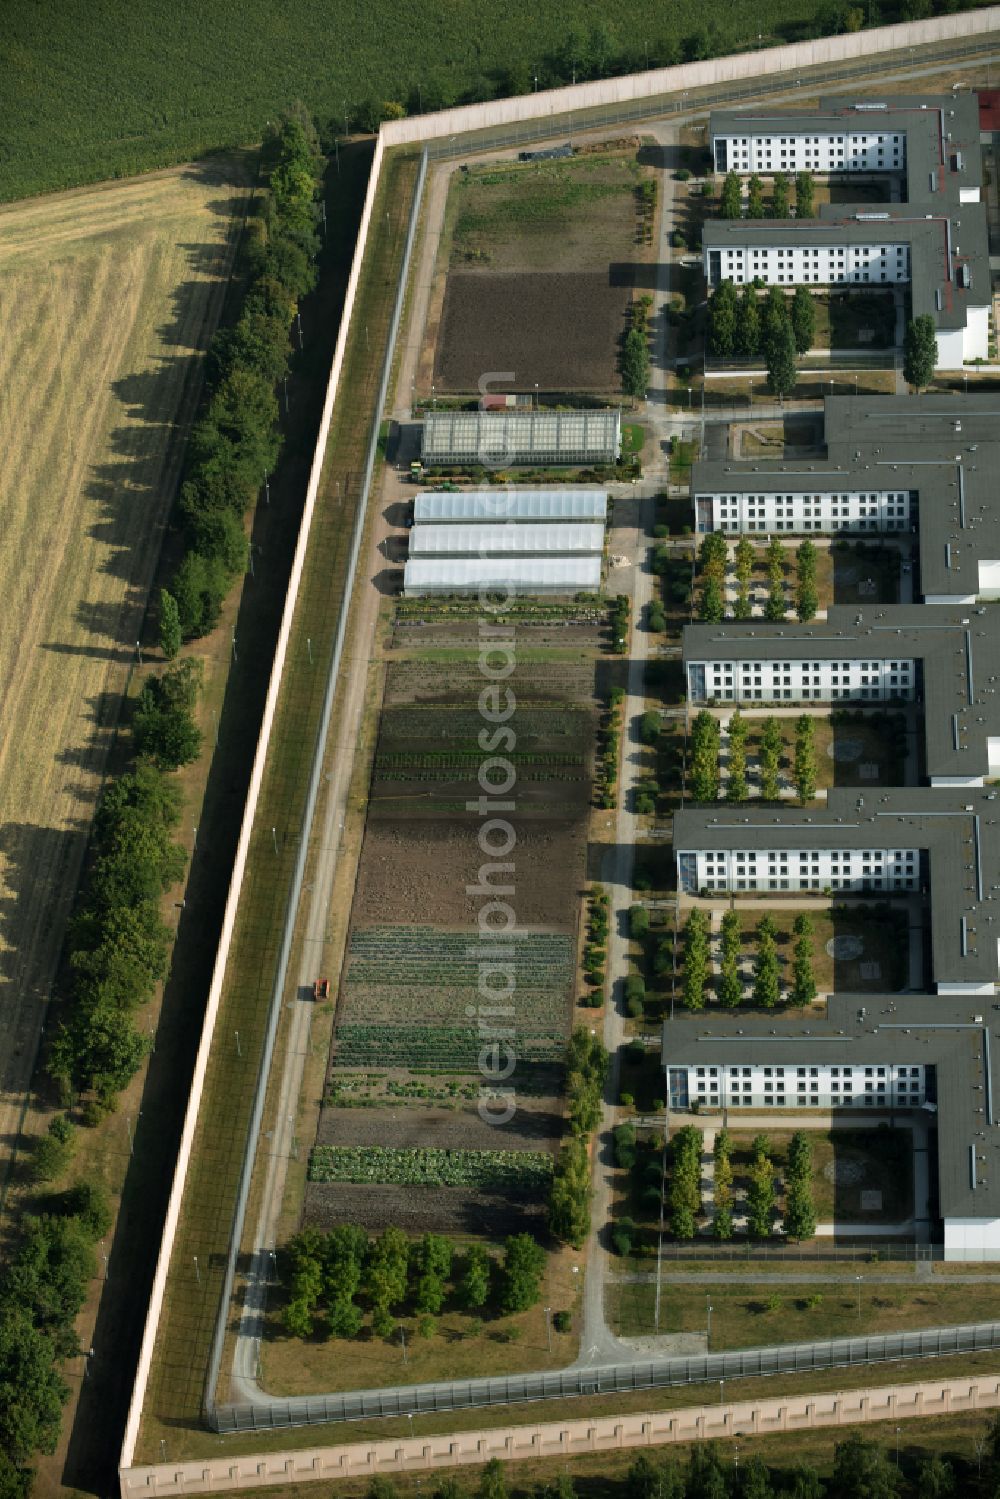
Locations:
column 501, row 438
column 505, row 505
column 522, row 575
column 507, row 541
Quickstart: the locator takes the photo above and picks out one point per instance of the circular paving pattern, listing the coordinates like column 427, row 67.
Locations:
column 845, row 948
column 845, row 749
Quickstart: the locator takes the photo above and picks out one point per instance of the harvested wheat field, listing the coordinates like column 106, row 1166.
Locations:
column 108, row 297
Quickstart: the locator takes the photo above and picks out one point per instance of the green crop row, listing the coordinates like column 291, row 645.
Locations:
column 487, row 1170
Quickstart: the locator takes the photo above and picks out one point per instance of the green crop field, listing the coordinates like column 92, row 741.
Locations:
column 488, row 1170
column 113, row 87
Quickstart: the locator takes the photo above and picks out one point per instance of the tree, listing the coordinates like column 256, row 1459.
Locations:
column 704, row 764
column 756, row 1480
column 493, row 1482
column 170, row 625
column 755, row 198
column 779, row 196
column 731, row 201
column 806, row 597
column 736, row 785
column 706, row 1475
column 712, row 604
column 774, row 606
column 33, row 1391
column 862, row 1470
column 695, row 959
column 805, row 757
column 746, row 336
column 638, row 922
column 920, row 351
column 474, row 1285
column 803, row 320
column 635, row 363
column 770, row 748
column 722, row 308
column 774, row 319
column 521, row 1273
column 935, row 1479
column 164, row 726
column 647, row 1479
column 803, row 990
column 650, row 725
column 781, row 371
column 804, row 208
column 569, row 1198
column 386, row 1275
column 766, row 973
column 760, row 1198
column 803, row 1483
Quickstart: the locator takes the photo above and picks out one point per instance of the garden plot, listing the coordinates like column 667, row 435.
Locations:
column 537, row 266
column 860, row 948
column 404, row 1065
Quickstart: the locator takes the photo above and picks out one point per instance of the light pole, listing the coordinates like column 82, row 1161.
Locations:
column 722, row 1392
column 751, row 397
column 897, row 1446
column 858, row 1279
column 708, row 1324
column 402, row 1339
column 548, row 1327
column 197, row 1272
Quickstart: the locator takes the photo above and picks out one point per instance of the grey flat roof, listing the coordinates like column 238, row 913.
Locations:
column 959, row 829
column 902, row 442
column 943, row 160
column 940, row 244
column 959, row 1037
column 958, row 648
column 942, row 133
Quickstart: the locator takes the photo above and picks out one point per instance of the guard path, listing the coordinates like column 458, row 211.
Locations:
column 569, row 1438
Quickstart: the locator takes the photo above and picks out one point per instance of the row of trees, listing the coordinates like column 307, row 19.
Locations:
column 722, row 1188
column 332, row 1277
column 235, row 443
column 635, row 350
column 713, row 559
column 862, row 1469
column 41, row 1295
column 760, row 1189
column 746, row 326
column 800, row 1210
column 766, row 987
column 684, row 1191
column 731, row 200
column 586, row 1072
column 703, row 757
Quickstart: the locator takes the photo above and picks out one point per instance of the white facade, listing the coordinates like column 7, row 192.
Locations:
column 782, row 681
column 826, row 511
column 785, row 149
column 797, row 1087
column 862, row 869
column 972, row 1238
column 805, row 265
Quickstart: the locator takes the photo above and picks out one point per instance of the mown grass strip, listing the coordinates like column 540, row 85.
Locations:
column 175, row 1391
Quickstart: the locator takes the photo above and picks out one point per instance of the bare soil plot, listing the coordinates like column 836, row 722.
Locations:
column 108, row 296
column 557, row 330
column 536, row 268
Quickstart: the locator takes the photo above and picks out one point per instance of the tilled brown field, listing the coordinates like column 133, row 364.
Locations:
column 559, row 330
column 417, row 1210
column 408, row 1025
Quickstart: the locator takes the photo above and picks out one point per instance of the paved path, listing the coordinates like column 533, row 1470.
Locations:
column 597, row 1342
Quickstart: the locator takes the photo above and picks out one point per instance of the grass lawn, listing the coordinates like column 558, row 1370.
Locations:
column 865, row 572
column 750, row 1315
column 881, row 951
column 735, row 390
column 846, row 1162
column 682, row 455
column 462, row 1346
column 633, row 438
column 855, row 320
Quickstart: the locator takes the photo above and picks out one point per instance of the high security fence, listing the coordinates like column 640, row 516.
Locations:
column 605, row 1379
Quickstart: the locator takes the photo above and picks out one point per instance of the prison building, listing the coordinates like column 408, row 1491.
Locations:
column 878, row 1054
column 502, row 439
column 443, row 576
column 513, row 540
column 935, row 240
column 777, row 1085
column 868, row 843
column 930, row 142
column 766, row 503
column 892, row 464
column 501, row 506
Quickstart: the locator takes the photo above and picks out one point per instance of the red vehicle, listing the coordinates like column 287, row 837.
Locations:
column 321, row 989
